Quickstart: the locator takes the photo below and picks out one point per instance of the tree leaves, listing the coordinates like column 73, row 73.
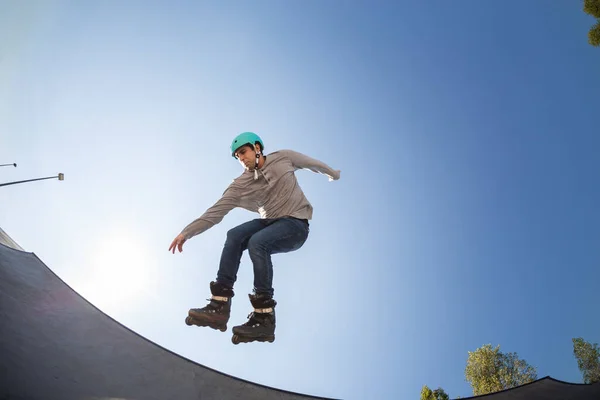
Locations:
column 594, row 35
column 592, row 7
column 440, row 394
column 437, row 394
column 588, row 359
column 426, row 393
column 489, row 370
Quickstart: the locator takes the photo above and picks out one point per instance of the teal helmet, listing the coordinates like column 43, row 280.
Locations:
column 246, row 138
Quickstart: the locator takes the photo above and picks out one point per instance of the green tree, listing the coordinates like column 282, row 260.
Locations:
column 440, row 394
column 592, row 7
column 594, row 35
column 588, row 359
column 426, row 393
column 437, row 394
column 489, row 370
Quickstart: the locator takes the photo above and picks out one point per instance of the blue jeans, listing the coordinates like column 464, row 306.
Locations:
column 261, row 237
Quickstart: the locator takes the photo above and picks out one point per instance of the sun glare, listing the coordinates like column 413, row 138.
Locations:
column 119, row 271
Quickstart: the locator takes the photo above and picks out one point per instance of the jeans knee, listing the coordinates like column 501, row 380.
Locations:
column 255, row 246
column 234, row 235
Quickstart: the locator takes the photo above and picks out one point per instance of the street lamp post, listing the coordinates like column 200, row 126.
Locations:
column 60, row 177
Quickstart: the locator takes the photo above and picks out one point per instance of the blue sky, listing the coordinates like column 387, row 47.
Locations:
column 466, row 212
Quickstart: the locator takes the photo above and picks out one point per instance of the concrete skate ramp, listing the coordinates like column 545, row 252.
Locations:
column 56, row 345
column 8, row 241
column 546, row 388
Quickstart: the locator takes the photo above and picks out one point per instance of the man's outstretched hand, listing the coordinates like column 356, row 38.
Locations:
column 177, row 243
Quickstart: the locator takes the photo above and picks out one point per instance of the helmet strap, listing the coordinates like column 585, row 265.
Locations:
column 256, row 166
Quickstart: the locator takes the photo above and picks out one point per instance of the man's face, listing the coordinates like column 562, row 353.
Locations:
column 247, row 156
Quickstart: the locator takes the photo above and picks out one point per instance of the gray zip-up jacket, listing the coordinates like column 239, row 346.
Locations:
column 275, row 193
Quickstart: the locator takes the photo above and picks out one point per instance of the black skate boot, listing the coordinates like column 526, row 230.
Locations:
column 216, row 313
column 261, row 322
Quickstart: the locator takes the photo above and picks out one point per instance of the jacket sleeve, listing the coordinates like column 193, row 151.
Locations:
column 213, row 215
column 302, row 161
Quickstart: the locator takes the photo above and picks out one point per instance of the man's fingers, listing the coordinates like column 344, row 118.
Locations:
column 173, row 246
column 177, row 243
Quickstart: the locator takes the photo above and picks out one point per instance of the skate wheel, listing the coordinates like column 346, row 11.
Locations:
column 235, row 339
column 223, row 328
column 188, row 321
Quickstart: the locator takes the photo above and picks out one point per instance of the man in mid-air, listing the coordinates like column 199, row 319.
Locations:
column 269, row 187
